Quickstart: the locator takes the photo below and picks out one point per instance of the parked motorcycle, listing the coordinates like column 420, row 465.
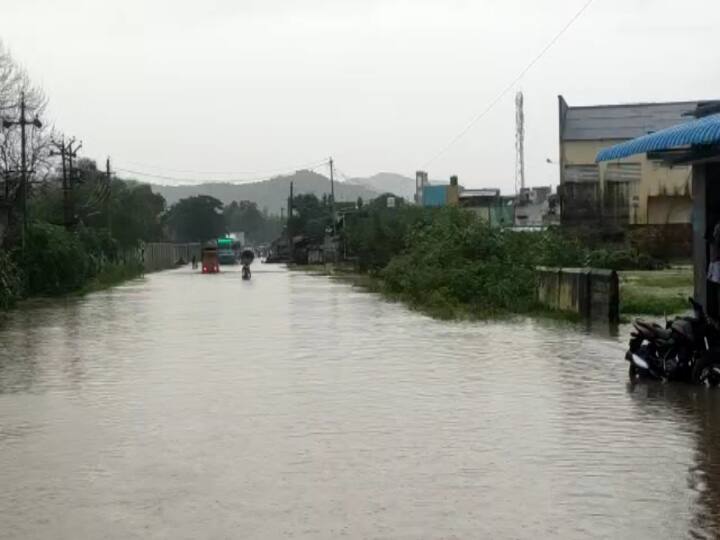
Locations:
column 686, row 349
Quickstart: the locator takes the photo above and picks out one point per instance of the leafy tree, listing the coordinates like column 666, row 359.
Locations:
column 311, row 217
column 376, row 233
column 244, row 216
column 135, row 213
column 258, row 226
column 196, row 219
column 14, row 83
column 135, row 210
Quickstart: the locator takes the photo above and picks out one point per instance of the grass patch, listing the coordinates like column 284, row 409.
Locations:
column 112, row 274
column 656, row 292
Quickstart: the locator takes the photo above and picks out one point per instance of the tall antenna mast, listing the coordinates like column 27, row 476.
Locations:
column 519, row 144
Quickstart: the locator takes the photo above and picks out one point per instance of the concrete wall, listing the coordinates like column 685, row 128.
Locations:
column 673, row 184
column 589, row 292
column 164, row 255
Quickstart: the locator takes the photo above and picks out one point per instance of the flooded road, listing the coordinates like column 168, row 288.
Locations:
column 189, row 406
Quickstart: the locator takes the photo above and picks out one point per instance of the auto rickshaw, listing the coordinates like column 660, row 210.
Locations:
column 210, row 262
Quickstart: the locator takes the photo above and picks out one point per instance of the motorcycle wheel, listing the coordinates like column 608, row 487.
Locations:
column 633, row 372
column 701, row 373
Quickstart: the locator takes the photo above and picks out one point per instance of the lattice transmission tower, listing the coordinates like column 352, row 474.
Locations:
column 519, row 144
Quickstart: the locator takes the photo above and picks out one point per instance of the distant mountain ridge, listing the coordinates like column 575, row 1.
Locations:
column 388, row 183
column 272, row 195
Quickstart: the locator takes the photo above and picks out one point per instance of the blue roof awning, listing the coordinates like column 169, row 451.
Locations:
column 701, row 131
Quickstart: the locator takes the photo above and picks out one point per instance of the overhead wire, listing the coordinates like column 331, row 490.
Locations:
column 134, row 164
column 205, row 179
column 510, row 86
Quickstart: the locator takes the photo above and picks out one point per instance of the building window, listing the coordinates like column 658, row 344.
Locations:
column 622, row 172
column 581, row 173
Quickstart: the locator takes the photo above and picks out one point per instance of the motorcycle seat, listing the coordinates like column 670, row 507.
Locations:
column 652, row 330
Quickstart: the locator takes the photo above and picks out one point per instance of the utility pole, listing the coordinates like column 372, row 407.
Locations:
column 287, row 226
column 61, row 151
column 332, row 197
column 66, row 153
column 107, row 195
column 71, row 151
column 23, row 168
column 22, row 122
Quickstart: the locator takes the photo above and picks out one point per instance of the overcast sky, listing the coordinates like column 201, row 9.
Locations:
column 256, row 86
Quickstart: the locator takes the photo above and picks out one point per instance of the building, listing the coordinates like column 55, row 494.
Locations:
column 636, row 190
column 435, row 195
column 488, row 205
column 695, row 144
column 536, row 207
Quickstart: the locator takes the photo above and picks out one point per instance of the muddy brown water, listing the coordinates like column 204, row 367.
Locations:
column 292, row 406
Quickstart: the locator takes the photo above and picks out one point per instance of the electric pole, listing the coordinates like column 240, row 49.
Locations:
column 287, row 226
column 107, row 195
column 61, row 148
column 66, row 153
column 332, row 197
column 22, row 122
column 71, row 151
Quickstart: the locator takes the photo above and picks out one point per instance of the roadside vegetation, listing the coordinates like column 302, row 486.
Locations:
column 449, row 263
column 68, row 245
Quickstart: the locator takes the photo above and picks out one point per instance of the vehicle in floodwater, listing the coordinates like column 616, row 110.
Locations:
column 226, row 253
column 210, row 261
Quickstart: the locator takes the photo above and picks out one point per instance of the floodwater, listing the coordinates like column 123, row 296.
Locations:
column 184, row 406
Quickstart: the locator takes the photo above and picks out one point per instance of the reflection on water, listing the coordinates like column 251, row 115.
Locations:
column 190, row 406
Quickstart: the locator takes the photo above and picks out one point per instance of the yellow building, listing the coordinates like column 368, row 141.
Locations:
column 638, row 190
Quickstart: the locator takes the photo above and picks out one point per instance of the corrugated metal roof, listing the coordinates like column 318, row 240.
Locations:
column 701, row 131
column 484, row 192
column 623, row 121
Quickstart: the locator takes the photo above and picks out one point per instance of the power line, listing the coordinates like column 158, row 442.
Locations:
column 510, row 86
column 201, row 180
column 163, row 170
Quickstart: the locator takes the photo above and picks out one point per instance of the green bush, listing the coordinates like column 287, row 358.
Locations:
column 460, row 260
column 448, row 260
column 54, row 260
column 623, row 259
column 10, row 281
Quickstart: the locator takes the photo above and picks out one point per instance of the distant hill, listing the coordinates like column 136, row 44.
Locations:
column 272, row 194
column 388, row 183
